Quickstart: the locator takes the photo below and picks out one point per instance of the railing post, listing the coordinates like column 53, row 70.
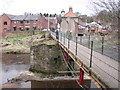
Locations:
column 61, row 36
column 76, row 47
column 102, row 44
column 64, row 38
column 89, row 41
column 81, row 77
column 91, row 54
column 66, row 57
column 68, row 43
column 81, row 40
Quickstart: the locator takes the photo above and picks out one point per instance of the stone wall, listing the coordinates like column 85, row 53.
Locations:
column 46, row 58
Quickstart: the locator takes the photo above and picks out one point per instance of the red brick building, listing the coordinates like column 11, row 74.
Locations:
column 25, row 22
column 94, row 27
column 43, row 22
column 52, row 23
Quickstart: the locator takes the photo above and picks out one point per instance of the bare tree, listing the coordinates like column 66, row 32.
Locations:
column 112, row 7
column 109, row 5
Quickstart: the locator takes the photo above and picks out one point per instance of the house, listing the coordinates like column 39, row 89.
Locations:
column 69, row 22
column 43, row 23
column 26, row 22
column 18, row 22
column 5, row 22
column 94, row 27
column 82, row 27
column 52, row 22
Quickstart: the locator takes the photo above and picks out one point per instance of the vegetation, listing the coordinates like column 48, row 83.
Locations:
column 15, row 43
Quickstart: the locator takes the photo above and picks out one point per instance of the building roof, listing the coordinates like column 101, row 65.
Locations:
column 83, row 23
column 11, row 16
column 23, row 17
column 31, row 17
column 70, row 13
column 19, row 17
column 50, row 18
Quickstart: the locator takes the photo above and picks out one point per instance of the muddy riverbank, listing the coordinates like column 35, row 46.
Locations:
column 14, row 69
column 10, row 59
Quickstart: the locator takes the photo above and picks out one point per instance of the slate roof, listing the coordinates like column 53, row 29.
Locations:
column 83, row 24
column 19, row 17
column 31, row 17
column 10, row 16
column 23, row 17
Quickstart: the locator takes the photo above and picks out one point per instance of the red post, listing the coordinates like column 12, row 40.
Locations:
column 52, row 38
column 66, row 57
column 81, row 78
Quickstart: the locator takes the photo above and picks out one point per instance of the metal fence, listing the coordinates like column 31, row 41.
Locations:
column 105, row 68
column 103, row 45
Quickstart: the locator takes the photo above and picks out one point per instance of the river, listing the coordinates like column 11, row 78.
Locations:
column 12, row 65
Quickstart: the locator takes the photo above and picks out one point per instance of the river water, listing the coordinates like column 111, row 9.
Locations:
column 10, row 68
column 12, row 71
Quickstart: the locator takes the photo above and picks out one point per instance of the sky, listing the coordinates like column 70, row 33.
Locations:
column 18, row 7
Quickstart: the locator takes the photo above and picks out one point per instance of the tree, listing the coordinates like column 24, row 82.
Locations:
column 44, row 14
column 104, row 17
column 109, row 5
column 109, row 12
column 59, row 19
column 50, row 15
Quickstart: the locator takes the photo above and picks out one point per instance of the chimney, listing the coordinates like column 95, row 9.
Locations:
column 70, row 9
column 25, row 13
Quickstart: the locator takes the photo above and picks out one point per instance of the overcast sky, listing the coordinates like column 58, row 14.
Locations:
column 17, row 7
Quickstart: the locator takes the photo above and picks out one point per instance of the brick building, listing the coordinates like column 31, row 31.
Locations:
column 25, row 22
column 94, row 27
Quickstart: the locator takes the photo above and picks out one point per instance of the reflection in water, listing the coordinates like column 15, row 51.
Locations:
column 12, row 71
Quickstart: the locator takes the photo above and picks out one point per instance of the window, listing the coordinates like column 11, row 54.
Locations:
column 92, row 28
column 27, row 22
column 15, row 22
column 19, row 28
column 5, row 29
column 27, row 28
column 5, row 23
column 34, row 22
column 21, row 22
